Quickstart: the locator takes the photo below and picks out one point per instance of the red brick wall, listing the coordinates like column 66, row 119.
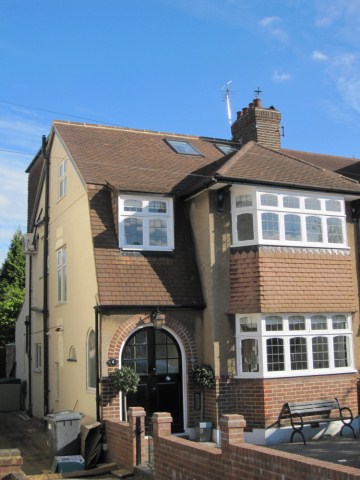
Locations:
column 260, row 401
column 10, row 461
column 282, row 280
column 179, row 458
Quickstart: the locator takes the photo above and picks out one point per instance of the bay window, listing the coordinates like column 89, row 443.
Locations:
column 293, row 345
column 146, row 223
column 261, row 217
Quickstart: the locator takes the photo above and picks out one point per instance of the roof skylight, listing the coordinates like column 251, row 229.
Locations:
column 183, row 147
column 225, row 149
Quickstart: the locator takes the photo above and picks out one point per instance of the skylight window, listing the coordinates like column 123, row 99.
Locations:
column 225, row 149
column 183, row 147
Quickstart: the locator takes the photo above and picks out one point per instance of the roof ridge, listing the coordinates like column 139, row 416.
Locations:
column 125, row 129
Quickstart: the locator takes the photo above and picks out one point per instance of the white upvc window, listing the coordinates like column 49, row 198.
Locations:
column 288, row 345
column 62, row 179
column 146, row 223
column 272, row 217
column 61, row 261
column 38, row 357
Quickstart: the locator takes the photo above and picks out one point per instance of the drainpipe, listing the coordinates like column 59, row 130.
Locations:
column 97, row 364
column 45, row 276
column 29, row 345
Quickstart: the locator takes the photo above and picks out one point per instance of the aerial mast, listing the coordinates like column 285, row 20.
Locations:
column 226, row 98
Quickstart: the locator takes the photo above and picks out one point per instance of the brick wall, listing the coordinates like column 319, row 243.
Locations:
column 235, row 459
column 10, row 461
column 272, row 279
column 121, row 439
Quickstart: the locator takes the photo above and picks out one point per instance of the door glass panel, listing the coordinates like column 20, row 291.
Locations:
column 160, row 351
column 161, row 366
column 173, row 365
column 172, row 351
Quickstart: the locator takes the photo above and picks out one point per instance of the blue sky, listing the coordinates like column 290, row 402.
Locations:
column 161, row 65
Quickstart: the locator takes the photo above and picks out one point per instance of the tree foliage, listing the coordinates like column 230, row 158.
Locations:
column 12, row 289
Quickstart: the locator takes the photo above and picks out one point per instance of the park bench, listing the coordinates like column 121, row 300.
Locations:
column 320, row 411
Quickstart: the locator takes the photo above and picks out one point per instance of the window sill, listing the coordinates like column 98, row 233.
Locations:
column 300, row 373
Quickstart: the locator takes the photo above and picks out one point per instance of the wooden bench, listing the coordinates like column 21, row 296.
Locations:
column 320, row 412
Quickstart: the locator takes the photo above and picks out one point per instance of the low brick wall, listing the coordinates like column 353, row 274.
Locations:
column 121, row 438
column 182, row 459
column 10, row 462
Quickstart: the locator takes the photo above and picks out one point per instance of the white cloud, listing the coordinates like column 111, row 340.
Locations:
column 319, row 56
column 271, row 25
column 280, row 76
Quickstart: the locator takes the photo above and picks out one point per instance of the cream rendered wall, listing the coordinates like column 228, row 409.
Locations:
column 211, row 231
column 70, row 227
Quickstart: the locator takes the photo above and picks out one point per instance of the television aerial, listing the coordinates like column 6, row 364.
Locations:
column 226, row 98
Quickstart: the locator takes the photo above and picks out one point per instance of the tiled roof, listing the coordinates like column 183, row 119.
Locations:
column 349, row 167
column 260, row 164
column 138, row 160
column 133, row 160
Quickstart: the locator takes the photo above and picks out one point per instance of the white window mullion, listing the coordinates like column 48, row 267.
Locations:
column 331, row 352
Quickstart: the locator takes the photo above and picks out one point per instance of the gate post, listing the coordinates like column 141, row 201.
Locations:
column 136, row 419
column 232, row 430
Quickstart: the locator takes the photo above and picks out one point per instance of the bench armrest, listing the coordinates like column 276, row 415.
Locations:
column 348, row 416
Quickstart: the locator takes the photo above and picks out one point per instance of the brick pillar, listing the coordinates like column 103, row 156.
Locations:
column 10, row 461
column 232, row 430
column 161, row 424
column 133, row 413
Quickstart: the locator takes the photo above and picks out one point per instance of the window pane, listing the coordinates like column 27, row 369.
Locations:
column 341, row 351
column 313, row 229
column 133, row 231
column 269, row 200
column 133, row 205
column 158, row 232
column 91, row 364
column 320, row 349
column 275, row 354
column 298, row 353
column 292, row 227
column 339, row 322
column 183, row 147
column 270, row 226
column 312, row 204
column 334, row 230
column 157, row 207
column 173, row 365
column 248, row 325
column 249, row 355
column 243, row 201
column 273, row 323
column 291, row 202
column 318, row 322
column 296, row 322
column 333, row 205
column 245, row 227
column 160, row 351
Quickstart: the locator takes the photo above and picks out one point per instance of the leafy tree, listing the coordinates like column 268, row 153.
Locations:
column 12, row 289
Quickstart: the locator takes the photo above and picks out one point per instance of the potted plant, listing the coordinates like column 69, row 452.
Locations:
column 203, row 378
column 125, row 380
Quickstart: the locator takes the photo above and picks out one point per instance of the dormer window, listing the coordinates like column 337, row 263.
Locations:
column 183, row 147
column 272, row 217
column 146, row 223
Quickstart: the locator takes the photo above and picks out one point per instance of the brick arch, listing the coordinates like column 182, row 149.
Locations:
column 131, row 324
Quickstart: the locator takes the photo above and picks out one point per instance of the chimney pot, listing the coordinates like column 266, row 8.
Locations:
column 238, row 115
column 244, row 111
column 257, row 102
column 251, row 105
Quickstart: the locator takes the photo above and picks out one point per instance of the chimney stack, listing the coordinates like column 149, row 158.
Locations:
column 262, row 125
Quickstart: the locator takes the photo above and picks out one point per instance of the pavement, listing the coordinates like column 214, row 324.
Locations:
column 29, row 435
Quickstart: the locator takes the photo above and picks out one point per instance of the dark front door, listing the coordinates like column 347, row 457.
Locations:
column 156, row 357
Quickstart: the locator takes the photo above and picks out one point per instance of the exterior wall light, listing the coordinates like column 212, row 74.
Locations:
column 112, row 362
column 158, row 319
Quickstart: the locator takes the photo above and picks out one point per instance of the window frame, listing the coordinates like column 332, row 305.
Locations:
column 291, row 221
column 38, row 357
column 62, row 179
column 146, row 217
column 175, row 145
column 91, row 375
column 61, row 275
column 266, row 338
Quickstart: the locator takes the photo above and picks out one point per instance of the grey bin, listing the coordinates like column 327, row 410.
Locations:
column 204, row 431
column 64, row 433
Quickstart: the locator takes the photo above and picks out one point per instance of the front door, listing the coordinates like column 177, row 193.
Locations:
column 156, row 357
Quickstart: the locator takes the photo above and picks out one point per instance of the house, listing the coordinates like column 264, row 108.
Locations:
column 165, row 251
